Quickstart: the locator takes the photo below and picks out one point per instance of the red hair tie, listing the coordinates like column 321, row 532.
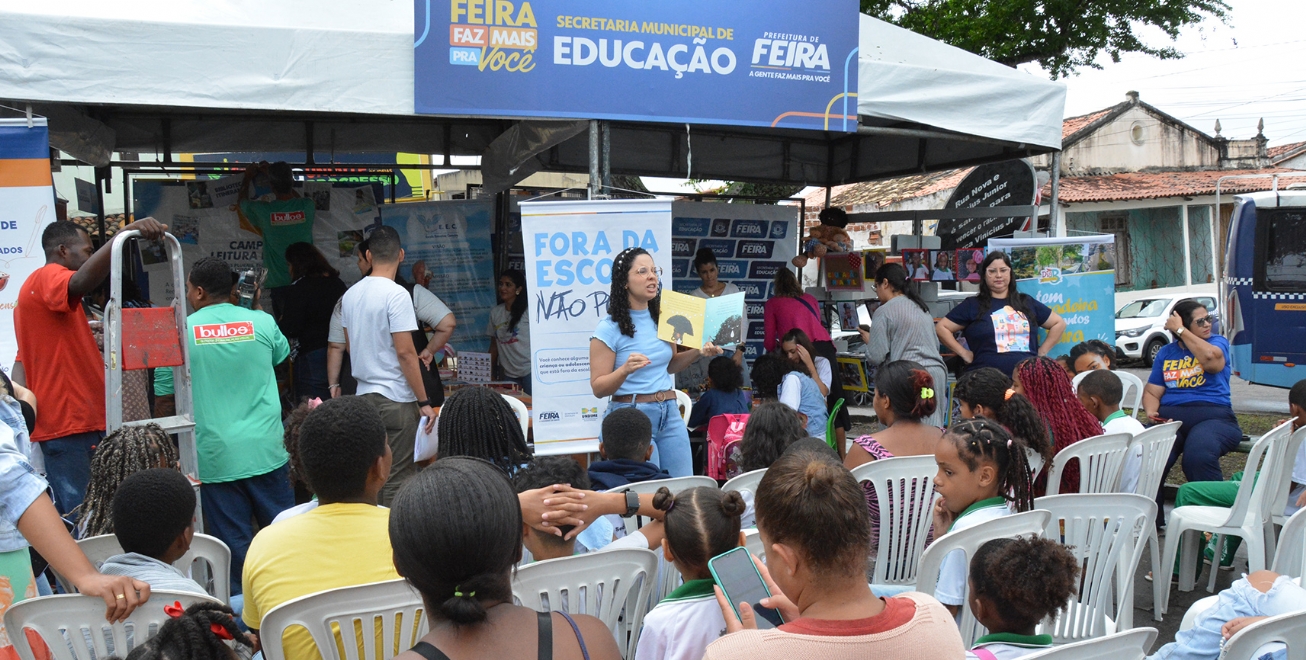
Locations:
column 175, row 611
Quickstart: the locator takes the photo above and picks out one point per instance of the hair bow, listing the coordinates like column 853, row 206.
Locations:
column 314, row 402
column 927, row 393
column 1009, row 394
column 175, row 611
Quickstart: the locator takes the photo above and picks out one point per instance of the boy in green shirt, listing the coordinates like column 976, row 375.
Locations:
column 281, row 222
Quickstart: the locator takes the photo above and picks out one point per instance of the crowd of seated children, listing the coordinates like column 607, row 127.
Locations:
column 987, row 393
column 725, row 393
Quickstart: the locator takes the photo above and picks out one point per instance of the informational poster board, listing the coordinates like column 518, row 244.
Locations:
column 569, row 252
column 447, row 250
column 1074, row 276
column 750, row 241
column 26, row 207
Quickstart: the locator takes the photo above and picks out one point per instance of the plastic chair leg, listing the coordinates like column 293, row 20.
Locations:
column 1220, row 540
column 1159, row 589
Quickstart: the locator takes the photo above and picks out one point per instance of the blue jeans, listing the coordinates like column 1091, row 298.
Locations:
column 311, row 376
column 231, row 506
column 68, row 467
column 1202, row 641
column 670, row 437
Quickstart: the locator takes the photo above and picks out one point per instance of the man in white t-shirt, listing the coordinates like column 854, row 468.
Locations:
column 1101, row 392
column 378, row 320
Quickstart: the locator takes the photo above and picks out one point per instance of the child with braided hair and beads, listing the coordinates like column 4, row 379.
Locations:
column 199, row 632
column 125, row 452
column 983, row 475
column 987, row 393
column 1044, row 382
column 1015, row 584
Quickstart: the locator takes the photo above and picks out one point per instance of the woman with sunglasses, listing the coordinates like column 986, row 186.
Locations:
column 1190, row 384
column 629, row 363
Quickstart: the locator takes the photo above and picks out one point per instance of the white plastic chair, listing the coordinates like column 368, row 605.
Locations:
column 968, row 541
column 1156, row 443
column 753, row 542
column 69, row 622
column 1248, row 518
column 670, row 577
column 1131, row 390
column 745, row 483
column 523, row 414
column 1129, row 645
column 601, row 584
column 1290, row 557
column 685, row 404
column 904, row 489
column 203, row 547
column 351, row 613
column 1289, row 629
column 1101, row 459
column 1104, row 532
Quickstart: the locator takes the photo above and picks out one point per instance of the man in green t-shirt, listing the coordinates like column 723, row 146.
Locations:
column 243, row 464
column 282, row 221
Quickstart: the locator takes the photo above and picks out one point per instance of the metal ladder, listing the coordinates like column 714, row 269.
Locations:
column 158, row 340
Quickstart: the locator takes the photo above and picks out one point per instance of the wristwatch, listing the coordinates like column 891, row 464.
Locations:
column 1179, row 331
column 423, row 403
column 632, row 503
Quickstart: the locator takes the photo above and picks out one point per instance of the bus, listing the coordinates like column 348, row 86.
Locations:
column 1264, row 287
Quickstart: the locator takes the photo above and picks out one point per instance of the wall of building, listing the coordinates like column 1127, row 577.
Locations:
column 1159, row 256
column 1137, row 140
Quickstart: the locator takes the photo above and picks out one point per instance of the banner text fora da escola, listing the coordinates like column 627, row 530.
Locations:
column 769, row 63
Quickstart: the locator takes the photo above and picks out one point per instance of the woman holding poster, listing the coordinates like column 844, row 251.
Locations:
column 1000, row 324
column 629, row 363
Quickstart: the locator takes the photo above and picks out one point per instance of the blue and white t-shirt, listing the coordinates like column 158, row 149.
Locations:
column 1186, row 381
column 651, row 379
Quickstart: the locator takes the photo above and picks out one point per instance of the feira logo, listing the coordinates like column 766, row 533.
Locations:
column 492, row 33
column 224, row 333
column 1049, row 275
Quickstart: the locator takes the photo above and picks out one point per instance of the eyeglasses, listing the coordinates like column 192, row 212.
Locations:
column 1204, row 321
column 644, row 271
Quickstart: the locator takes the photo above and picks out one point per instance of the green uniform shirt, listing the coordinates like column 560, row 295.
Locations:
column 283, row 222
column 237, row 411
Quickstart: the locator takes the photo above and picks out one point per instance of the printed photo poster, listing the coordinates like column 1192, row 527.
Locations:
column 569, row 251
column 917, row 263
column 26, row 207
column 1074, row 276
column 969, row 261
column 750, row 241
column 447, row 250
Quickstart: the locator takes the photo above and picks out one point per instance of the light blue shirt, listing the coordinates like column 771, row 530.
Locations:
column 651, row 379
column 20, row 485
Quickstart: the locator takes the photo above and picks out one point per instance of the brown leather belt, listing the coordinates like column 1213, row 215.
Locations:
column 656, row 397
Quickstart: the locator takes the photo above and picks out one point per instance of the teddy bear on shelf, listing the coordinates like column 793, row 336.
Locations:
column 829, row 236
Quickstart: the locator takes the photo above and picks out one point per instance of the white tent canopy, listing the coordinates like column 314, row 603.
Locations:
column 330, row 76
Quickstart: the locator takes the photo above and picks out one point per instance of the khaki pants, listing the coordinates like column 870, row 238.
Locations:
column 401, row 420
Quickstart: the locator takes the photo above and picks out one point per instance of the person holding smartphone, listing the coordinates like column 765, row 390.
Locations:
column 812, row 517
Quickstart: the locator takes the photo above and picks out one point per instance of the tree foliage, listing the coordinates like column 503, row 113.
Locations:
column 1060, row 35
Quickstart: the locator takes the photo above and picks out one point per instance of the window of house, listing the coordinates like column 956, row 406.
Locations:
column 1118, row 225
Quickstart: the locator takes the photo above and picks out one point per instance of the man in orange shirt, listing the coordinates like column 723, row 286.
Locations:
column 61, row 362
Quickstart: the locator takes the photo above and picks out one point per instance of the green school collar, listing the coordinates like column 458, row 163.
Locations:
column 1114, row 416
column 1015, row 640
column 982, row 504
column 692, row 589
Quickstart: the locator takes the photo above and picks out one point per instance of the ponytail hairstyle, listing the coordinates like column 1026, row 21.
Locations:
column 618, row 294
column 909, row 388
column 1048, row 388
column 895, row 276
column 813, row 503
column 1028, row 579
column 988, row 387
column 1015, row 299
column 701, row 523
column 193, row 634
column 981, row 439
column 456, row 532
column 519, row 303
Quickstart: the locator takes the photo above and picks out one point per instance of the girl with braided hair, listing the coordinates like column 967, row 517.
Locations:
column 125, row 452
column 1044, row 382
column 983, row 475
column 199, row 632
column 477, row 422
column 987, row 393
column 629, row 363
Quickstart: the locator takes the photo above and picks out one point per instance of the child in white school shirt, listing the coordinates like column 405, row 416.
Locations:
column 983, row 473
column 1015, row 584
column 1101, row 392
column 700, row 524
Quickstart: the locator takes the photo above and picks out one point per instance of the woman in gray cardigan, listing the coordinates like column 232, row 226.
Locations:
column 902, row 329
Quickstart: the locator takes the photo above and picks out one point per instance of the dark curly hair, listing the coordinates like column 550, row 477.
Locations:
column 545, row 471
column 1027, row 580
column 988, row 387
column 1017, row 300
column 982, row 439
column 338, row 443
column 619, row 294
column 814, row 504
column 725, row 374
column 771, row 428
column 476, row 421
column 701, row 523
column 291, row 441
column 769, row 370
column 626, row 433
column 905, row 383
column 151, row 509
column 191, row 637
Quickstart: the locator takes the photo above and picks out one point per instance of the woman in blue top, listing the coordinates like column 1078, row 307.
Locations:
column 1190, row 384
column 996, row 323
column 629, row 363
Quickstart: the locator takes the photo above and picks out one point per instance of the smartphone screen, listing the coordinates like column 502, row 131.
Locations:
column 738, row 578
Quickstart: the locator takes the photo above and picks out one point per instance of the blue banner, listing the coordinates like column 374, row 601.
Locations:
column 768, row 63
column 1074, row 276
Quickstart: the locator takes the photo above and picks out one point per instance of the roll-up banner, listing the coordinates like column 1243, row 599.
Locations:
column 569, row 250
column 1075, row 276
column 765, row 63
column 26, row 207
